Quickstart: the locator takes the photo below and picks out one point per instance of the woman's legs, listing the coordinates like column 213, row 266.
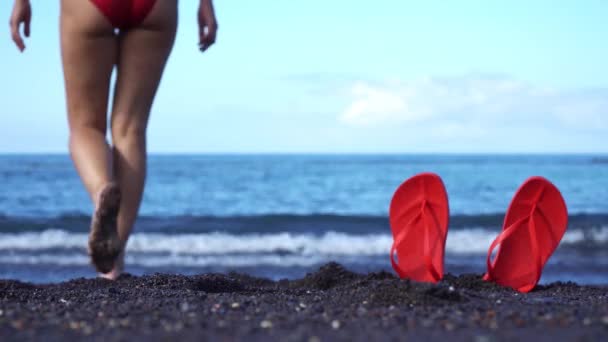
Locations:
column 90, row 49
column 143, row 52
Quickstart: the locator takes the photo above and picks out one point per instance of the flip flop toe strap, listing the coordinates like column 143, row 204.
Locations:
column 506, row 233
column 428, row 247
column 534, row 242
column 428, row 261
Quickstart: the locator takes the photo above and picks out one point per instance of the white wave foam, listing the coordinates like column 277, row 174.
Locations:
column 210, row 244
column 75, row 259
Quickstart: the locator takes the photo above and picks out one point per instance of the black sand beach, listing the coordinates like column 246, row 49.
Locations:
column 330, row 304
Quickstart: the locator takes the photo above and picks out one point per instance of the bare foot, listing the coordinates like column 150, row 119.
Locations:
column 119, row 266
column 104, row 244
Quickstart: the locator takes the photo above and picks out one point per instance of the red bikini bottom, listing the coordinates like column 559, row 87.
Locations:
column 125, row 14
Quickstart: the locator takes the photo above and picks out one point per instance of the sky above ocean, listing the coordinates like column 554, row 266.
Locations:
column 349, row 76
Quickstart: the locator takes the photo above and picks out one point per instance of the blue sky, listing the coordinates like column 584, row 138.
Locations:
column 349, row 76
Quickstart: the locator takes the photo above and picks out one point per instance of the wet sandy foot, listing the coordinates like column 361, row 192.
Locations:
column 104, row 244
column 119, row 266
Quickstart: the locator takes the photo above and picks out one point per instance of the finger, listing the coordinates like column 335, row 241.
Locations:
column 201, row 27
column 26, row 30
column 203, row 45
column 16, row 36
column 211, row 33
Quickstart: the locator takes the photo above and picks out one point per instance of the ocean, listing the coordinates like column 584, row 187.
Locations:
column 281, row 216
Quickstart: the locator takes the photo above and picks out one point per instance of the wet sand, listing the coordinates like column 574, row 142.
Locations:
column 330, row 304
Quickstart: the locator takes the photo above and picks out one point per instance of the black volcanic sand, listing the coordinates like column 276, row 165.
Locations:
column 331, row 304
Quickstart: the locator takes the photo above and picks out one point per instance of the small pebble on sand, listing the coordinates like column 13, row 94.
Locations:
column 265, row 324
column 482, row 338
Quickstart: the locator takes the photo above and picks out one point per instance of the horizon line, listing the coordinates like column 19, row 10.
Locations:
column 313, row 153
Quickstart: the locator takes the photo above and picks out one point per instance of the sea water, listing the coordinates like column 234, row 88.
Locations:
column 281, row 216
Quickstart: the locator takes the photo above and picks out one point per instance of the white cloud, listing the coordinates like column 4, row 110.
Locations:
column 387, row 106
column 481, row 101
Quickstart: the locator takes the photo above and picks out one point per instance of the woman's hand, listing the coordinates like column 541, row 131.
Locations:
column 207, row 25
column 22, row 14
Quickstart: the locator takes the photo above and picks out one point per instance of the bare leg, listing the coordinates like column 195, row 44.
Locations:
column 143, row 52
column 89, row 53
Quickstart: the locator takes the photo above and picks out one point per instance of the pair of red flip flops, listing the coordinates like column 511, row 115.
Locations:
column 534, row 225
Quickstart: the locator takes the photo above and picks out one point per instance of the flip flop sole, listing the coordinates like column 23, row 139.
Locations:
column 419, row 216
column 534, row 225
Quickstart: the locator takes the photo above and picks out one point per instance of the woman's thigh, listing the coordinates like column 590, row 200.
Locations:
column 143, row 53
column 89, row 52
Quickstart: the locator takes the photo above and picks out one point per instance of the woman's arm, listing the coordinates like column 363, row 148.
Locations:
column 22, row 14
column 207, row 25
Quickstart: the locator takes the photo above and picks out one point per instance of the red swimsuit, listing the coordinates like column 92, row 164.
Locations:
column 125, row 14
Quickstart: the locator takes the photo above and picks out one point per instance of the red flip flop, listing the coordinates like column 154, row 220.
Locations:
column 419, row 216
column 534, row 225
